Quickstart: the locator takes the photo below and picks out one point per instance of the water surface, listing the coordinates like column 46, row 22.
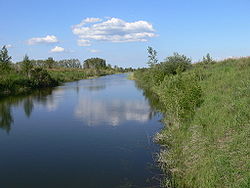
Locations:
column 87, row 134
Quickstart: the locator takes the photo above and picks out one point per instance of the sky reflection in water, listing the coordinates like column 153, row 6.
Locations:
column 90, row 133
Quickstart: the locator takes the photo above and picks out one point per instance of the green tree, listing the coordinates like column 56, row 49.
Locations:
column 109, row 66
column 94, row 63
column 152, row 55
column 69, row 63
column 26, row 65
column 50, row 62
column 41, row 78
column 207, row 59
column 175, row 64
column 4, row 59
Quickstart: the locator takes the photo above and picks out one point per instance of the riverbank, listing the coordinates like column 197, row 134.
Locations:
column 207, row 117
column 16, row 83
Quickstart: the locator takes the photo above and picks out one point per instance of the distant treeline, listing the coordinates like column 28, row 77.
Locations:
column 28, row 74
column 92, row 63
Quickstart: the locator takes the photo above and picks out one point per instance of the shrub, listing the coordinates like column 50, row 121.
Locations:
column 175, row 64
column 41, row 78
column 180, row 95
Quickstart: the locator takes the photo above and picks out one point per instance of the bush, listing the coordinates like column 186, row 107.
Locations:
column 175, row 64
column 180, row 95
column 41, row 78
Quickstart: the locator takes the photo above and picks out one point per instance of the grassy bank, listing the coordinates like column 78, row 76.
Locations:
column 67, row 75
column 207, row 134
column 15, row 83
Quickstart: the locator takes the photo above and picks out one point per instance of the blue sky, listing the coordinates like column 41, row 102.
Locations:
column 121, row 31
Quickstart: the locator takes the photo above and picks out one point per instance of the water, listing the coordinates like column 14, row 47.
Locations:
column 87, row 134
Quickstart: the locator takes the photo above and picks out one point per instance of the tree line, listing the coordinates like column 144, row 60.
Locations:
column 27, row 64
column 29, row 74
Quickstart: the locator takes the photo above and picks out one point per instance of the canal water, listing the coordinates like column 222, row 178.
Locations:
column 94, row 133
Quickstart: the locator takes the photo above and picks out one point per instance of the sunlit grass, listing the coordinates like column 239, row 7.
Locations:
column 209, row 147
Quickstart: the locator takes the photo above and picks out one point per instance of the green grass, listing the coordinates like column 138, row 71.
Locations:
column 207, row 132
column 67, row 75
column 15, row 83
column 12, row 83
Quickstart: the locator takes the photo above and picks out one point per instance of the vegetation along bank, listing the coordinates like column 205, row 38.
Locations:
column 207, row 117
column 27, row 75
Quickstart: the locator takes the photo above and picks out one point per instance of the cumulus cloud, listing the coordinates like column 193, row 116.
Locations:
column 87, row 20
column 46, row 39
column 57, row 49
column 113, row 30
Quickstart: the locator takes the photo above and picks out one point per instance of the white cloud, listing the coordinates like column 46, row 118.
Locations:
column 47, row 39
column 87, row 20
column 83, row 42
column 113, row 30
column 92, row 20
column 94, row 51
column 53, row 101
column 57, row 49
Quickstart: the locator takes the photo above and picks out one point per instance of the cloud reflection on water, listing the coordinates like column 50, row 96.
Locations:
column 53, row 101
column 95, row 112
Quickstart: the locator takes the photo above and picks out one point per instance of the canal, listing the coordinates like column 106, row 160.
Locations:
column 94, row 133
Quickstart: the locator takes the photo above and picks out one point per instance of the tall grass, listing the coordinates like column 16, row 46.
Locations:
column 207, row 116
